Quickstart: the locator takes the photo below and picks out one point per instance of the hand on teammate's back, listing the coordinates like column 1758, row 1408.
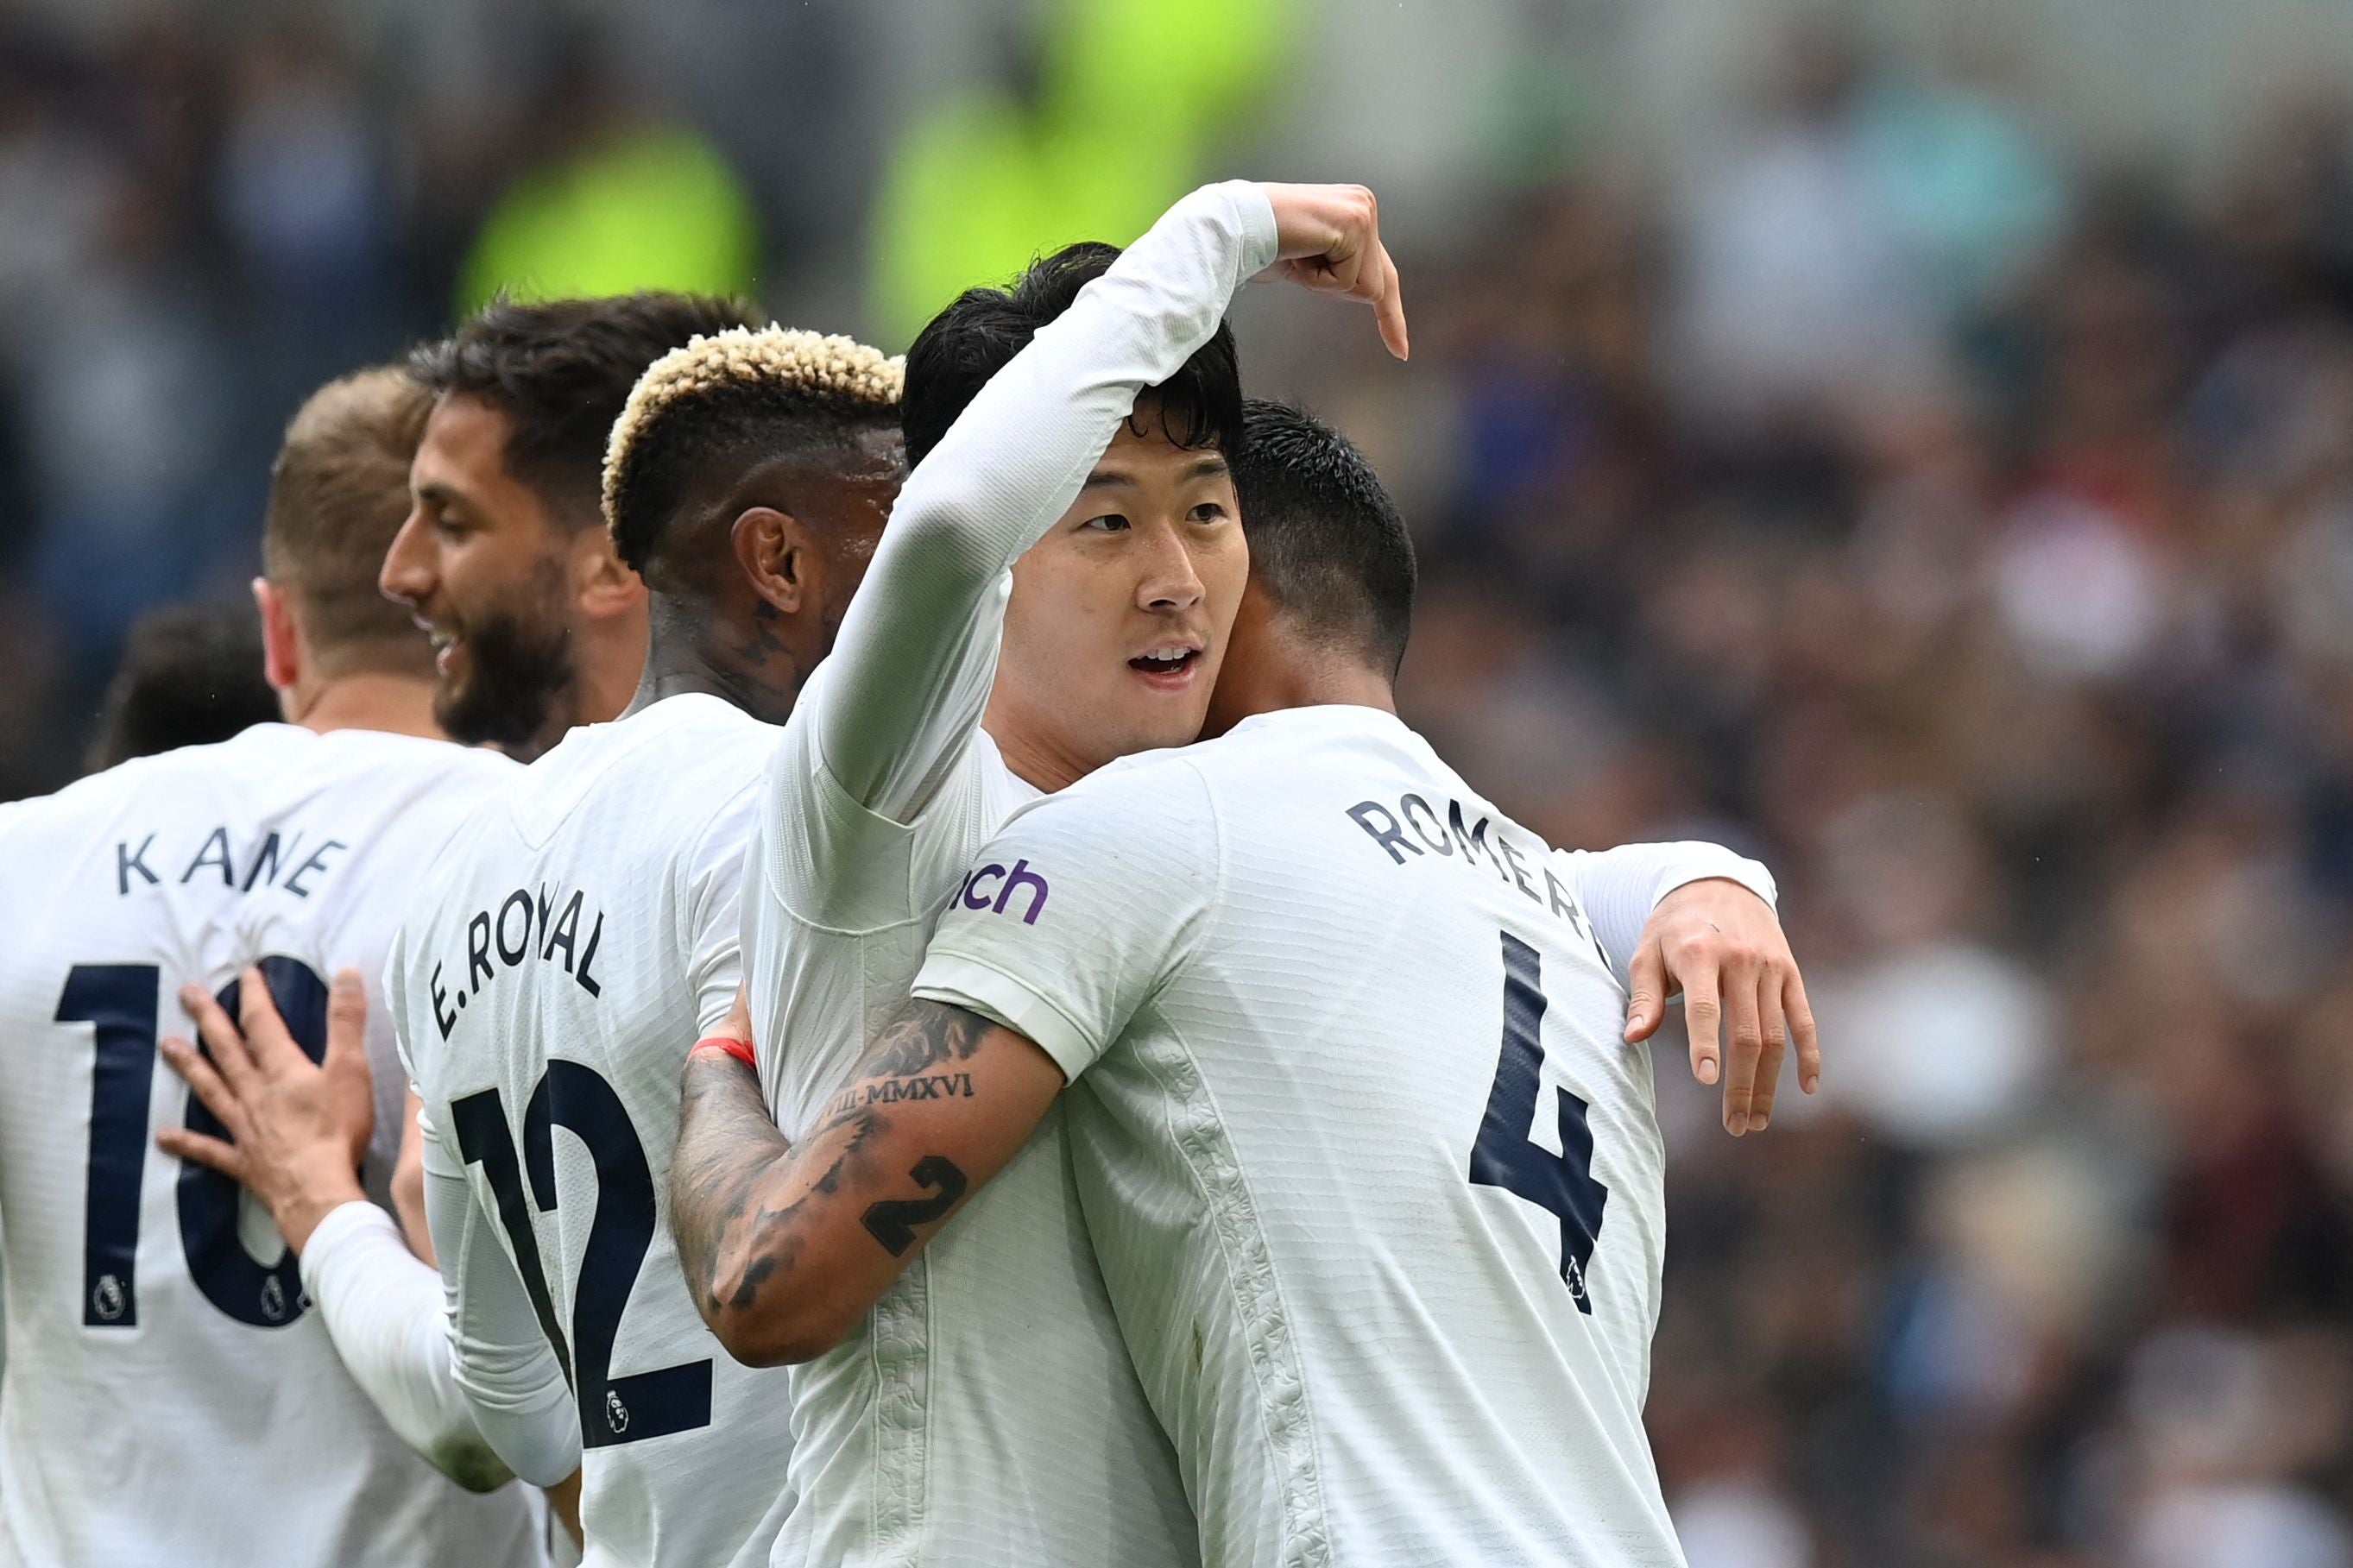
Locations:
column 1723, row 947
column 299, row 1128
column 1329, row 239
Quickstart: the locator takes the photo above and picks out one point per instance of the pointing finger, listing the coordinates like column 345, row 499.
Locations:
column 1390, row 309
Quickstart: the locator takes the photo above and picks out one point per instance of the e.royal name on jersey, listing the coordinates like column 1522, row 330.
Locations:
column 526, row 926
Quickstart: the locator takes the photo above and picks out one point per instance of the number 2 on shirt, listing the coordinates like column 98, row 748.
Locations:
column 1507, row 1156
column 613, row 1410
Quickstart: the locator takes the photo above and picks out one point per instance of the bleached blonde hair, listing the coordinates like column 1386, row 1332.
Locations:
column 741, row 379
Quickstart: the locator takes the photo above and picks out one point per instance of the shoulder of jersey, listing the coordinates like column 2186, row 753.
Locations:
column 239, row 753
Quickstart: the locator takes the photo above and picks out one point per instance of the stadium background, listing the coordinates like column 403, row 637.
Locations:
column 1913, row 443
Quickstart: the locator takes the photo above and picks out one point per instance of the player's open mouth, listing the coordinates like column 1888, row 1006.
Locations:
column 1171, row 667
column 446, row 645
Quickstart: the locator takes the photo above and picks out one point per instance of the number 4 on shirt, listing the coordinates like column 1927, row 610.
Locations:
column 1507, row 1155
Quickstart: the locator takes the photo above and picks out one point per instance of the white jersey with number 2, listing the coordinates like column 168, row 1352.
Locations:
column 169, row 1396
column 1376, row 1181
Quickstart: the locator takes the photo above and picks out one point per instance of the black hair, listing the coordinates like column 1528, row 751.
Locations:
column 965, row 345
column 191, row 675
column 561, row 372
column 1327, row 545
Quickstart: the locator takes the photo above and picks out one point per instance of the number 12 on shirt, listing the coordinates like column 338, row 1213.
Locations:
column 571, row 1095
column 1507, row 1155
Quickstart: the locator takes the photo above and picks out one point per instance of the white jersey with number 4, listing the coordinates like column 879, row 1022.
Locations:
column 169, row 1396
column 585, row 916
column 1376, row 1183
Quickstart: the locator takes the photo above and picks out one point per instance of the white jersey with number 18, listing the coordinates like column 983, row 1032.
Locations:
column 1376, row 1182
column 169, row 1396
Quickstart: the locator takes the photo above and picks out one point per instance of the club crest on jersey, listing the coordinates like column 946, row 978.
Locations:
column 616, row 1414
column 983, row 881
column 108, row 1298
column 273, row 1299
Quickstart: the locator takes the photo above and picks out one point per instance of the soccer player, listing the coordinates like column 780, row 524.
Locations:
column 987, row 1412
column 1370, row 1164
column 1104, row 431
column 170, row 1396
column 581, row 911
column 538, row 626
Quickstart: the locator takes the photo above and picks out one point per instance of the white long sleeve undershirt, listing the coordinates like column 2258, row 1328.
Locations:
column 383, row 1309
column 1617, row 888
column 512, row 1384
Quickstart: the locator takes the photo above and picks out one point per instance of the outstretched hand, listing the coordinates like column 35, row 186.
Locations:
column 1329, row 239
column 297, row 1130
column 1723, row 947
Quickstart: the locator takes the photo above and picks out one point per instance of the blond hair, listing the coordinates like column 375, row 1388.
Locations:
column 338, row 493
column 773, row 386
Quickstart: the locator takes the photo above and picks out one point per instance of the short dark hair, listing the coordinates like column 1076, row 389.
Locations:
column 191, row 675
column 1327, row 545
column 976, row 336
column 561, row 372
column 725, row 404
column 338, row 493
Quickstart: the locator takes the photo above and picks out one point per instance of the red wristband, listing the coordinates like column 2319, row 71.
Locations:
column 740, row 1049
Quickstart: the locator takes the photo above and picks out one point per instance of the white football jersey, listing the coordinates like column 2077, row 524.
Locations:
column 543, row 984
column 169, row 1396
column 1377, row 1184
column 985, row 1412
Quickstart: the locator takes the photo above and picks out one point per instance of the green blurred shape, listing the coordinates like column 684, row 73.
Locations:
column 651, row 208
column 1134, row 94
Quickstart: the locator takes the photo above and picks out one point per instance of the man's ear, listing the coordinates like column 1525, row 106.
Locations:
column 281, row 642
column 778, row 558
column 603, row 585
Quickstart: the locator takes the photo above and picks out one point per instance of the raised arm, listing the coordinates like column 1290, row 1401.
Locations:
column 910, row 671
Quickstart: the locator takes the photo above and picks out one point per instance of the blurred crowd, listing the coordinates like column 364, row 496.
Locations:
column 1965, row 531
column 1985, row 566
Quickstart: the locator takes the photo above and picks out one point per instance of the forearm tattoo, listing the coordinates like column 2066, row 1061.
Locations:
column 733, row 1166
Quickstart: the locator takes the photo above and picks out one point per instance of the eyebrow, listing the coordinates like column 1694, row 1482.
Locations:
column 1210, row 467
